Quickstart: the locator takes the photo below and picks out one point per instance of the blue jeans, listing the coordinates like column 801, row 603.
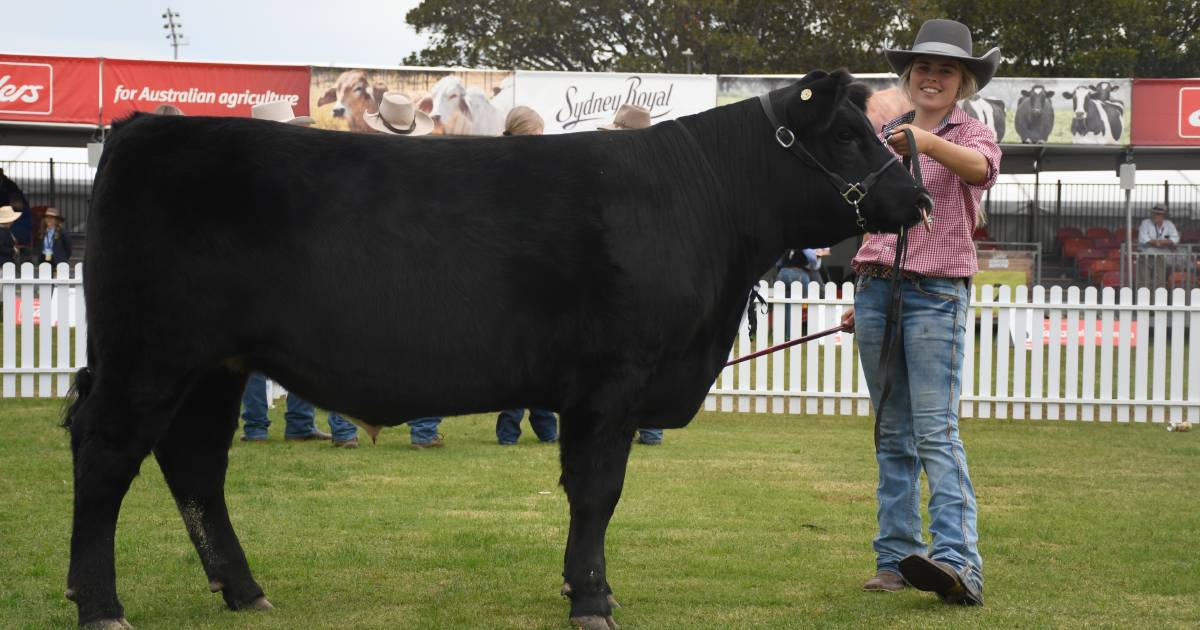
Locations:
column 650, row 436
column 788, row 275
column 300, row 417
column 423, row 430
column 508, row 425
column 919, row 427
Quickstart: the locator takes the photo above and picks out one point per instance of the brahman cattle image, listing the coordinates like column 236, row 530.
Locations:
column 602, row 275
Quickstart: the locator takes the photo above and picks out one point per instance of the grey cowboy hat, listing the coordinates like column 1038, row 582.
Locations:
column 947, row 38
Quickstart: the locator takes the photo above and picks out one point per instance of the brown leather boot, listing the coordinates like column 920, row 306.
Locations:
column 885, row 580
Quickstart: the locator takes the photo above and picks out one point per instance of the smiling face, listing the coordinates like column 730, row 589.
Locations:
column 934, row 83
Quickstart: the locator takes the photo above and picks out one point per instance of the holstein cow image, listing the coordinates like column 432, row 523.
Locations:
column 989, row 111
column 1035, row 115
column 601, row 275
column 1096, row 121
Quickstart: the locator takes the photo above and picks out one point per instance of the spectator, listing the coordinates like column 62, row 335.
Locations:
column 631, row 117
column 917, row 426
column 523, row 121
column 1157, row 233
column 8, row 251
column 399, row 116
column 56, row 243
column 10, row 194
column 300, row 416
column 167, row 110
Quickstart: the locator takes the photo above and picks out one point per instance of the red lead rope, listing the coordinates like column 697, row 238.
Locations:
column 818, row 335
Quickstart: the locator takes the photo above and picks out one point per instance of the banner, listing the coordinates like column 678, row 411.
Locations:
column 461, row 102
column 49, row 89
column 199, row 89
column 1167, row 112
column 578, row 101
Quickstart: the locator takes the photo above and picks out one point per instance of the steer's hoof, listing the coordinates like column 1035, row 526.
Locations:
column 594, row 622
column 108, row 624
column 259, row 603
column 70, row 594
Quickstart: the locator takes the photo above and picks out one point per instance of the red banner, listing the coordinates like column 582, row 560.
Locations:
column 200, row 89
column 49, row 89
column 1166, row 112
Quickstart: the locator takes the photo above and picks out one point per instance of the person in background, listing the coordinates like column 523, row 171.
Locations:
column 56, row 243
column 22, row 228
column 631, row 117
column 1157, row 236
column 300, row 417
column 399, row 116
column 167, row 110
column 8, row 246
column 523, row 121
column 917, row 427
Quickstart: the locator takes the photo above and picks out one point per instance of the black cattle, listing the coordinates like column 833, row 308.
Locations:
column 989, row 111
column 602, row 275
column 1097, row 121
column 1035, row 115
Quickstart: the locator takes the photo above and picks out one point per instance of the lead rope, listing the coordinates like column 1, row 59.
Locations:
column 892, row 330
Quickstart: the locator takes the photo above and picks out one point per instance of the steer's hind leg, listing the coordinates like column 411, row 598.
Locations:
column 110, row 436
column 193, row 456
column 594, row 451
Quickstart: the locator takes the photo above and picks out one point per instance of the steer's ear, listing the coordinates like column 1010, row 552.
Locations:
column 328, row 97
column 813, row 100
column 1068, row 94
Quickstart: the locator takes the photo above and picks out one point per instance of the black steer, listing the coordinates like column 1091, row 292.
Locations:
column 1035, row 115
column 602, row 275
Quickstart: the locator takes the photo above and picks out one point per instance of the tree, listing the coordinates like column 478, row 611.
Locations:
column 1039, row 38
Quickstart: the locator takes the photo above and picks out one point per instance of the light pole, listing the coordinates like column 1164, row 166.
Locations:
column 687, row 54
column 174, row 27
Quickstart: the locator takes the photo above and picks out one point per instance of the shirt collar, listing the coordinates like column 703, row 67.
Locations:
column 956, row 117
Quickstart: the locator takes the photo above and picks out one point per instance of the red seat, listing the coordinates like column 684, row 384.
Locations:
column 1097, row 267
column 1111, row 242
column 1111, row 279
column 1098, row 232
column 1065, row 233
column 1072, row 246
column 1085, row 257
column 1190, row 235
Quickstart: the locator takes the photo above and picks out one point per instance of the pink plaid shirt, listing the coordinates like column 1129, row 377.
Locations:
column 947, row 251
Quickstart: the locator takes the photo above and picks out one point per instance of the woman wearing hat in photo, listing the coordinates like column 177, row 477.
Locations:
column 56, row 243
column 8, row 244
column 918, row 425
column 398, row 115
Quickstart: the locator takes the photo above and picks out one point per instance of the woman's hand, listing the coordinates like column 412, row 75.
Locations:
column 899, row 141
column 848, row 319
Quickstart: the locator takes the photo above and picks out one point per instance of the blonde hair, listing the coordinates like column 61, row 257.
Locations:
column 523, row 121
column 967, row 87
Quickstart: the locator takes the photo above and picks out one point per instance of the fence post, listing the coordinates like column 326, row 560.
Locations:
column 53, row 190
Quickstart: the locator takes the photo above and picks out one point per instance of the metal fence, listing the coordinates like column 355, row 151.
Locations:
column 1034, row 213
column 64, row 185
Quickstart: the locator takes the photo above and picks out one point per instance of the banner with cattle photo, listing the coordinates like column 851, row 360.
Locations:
column 461, row 102
column 582, row 101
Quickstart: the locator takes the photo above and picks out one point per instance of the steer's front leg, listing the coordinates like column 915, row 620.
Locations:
column 594, row 455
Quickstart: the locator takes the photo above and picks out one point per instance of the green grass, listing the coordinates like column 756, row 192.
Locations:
column 739, row 521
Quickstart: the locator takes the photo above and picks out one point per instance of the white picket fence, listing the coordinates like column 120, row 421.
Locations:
column 1128, row 358
column 1139, row 360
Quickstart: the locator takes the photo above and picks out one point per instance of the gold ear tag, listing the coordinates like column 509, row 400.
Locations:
column 806, row 94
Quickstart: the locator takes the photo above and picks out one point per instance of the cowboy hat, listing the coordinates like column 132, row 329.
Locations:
column 8, row 216
column 399, row 115
column 1159, row 208
column 946, row 38
column 279, row 111
column 52, row 213
column 629, row 117
column 523, row 121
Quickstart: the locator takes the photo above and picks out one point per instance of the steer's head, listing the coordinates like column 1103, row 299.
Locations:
column 826, row 114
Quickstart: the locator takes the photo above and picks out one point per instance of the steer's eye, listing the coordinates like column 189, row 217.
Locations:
column 844, row 135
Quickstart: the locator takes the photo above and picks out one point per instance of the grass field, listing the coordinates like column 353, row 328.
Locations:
column 739, row 521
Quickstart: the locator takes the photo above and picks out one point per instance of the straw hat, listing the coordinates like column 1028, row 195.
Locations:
column 629, row 117
column 52, row 213
column 279, row 111
column 8, row 216
column 398, row 115
column 1159, row 208
column 947, row 38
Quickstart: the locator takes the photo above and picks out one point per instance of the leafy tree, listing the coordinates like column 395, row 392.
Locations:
column 1143, row 38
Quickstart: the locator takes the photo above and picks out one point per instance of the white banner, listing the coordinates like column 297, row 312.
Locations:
column 575, row 101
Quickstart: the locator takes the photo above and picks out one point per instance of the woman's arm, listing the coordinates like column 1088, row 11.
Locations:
column 965, row 162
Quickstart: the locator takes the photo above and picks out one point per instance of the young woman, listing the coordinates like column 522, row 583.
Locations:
column 919, row 422
column 56, row 243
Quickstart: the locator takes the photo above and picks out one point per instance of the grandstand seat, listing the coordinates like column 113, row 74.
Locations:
column 1085, row 257
column 1111, row 242
column 1064, row 233
column 1098, row 232
column 1190, row 235
column 1099, row 267
column 1111, row 279
column 1072, row 246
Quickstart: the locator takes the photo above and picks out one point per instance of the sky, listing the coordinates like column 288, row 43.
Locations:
column 338, row 32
